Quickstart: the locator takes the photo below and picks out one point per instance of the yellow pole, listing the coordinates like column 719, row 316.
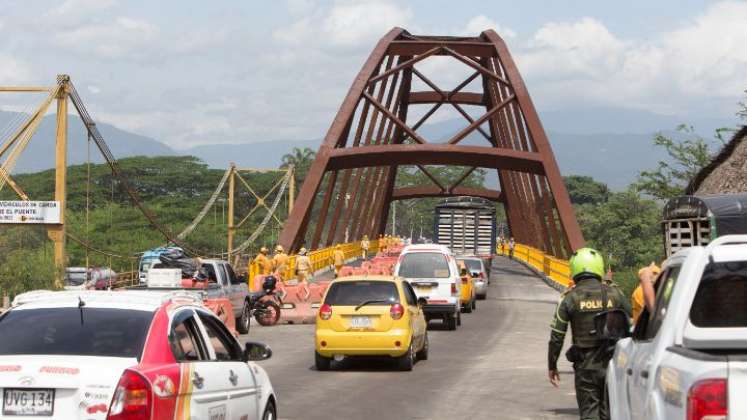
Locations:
column 231, row 189
column 292, row 190
column 57, row 233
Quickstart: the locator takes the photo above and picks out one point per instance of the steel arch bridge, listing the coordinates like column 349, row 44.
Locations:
column 351, row 183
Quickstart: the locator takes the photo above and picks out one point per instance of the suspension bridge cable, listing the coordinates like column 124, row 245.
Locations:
column 201, row 215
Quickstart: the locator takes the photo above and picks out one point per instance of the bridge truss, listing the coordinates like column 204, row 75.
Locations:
column 352, row 182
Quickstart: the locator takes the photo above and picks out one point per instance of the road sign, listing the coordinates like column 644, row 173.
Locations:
column 30, row 212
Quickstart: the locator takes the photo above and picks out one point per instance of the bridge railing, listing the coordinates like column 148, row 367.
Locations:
column 320, row 259
column 554, row 269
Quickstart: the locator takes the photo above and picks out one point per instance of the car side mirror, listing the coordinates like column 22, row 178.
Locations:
column 422, row 301
column 254, row 352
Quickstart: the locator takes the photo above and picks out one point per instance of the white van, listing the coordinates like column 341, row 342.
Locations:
column 432, row 271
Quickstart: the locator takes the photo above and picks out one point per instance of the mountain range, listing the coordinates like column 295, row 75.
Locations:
column 610, row 144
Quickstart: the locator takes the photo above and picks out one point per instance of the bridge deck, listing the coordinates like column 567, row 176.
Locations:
column 494, row 366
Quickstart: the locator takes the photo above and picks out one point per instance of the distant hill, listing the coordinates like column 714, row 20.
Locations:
column 610, row 144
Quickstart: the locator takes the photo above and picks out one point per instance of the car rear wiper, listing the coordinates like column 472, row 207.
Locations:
column 369, row 302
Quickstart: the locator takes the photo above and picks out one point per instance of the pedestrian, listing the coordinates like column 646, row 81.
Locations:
column 589, row 353
column 264, row 266
column 365, row 244
column 644, row 295
column 280, row 263
column 303, row 266
column 338, row 259
column 511, row 246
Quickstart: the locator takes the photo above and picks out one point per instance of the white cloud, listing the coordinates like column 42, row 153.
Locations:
column 14, row 70
column 481, row 23
column 120, row 38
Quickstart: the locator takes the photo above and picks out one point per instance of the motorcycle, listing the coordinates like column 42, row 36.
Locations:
column 265, row 305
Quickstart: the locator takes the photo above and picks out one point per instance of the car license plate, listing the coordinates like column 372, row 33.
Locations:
column 28, row 402
column 360, row 322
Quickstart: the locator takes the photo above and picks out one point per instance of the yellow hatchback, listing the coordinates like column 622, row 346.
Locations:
column 371, row 316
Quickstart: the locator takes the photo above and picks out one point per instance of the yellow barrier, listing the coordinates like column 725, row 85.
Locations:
column 553, row 268
column 320, row 259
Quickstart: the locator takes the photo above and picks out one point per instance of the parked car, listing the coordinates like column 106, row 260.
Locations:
column 127, row 355
column 686, row 359
column 467, row 299
column 370, row 316
column 76, row 278
column 102, row 278
column 432, row 271
column 476, row 267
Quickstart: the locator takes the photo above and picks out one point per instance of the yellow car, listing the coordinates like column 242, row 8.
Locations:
column 371, row 316
column 467, row 298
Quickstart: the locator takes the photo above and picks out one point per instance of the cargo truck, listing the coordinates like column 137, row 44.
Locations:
column 467, row 226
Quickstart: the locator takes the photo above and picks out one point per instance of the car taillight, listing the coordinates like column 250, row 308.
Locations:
column 132, row 398
column 325, row 312
column 396, row 311
column 453, row 289
column 707, row 400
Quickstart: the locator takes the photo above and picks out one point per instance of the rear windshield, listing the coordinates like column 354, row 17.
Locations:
column 72, row 331
column 353, row 293
column 424, row 265
column 721, row 299
column 473, row 265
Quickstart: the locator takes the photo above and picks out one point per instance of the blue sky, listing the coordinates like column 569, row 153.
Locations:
column 193, row 72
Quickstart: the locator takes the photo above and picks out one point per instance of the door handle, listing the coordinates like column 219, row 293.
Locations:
column 629, row 372
column 644, row 374
column 234, row 378
column 197, row 380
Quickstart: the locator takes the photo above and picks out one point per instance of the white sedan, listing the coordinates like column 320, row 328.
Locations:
column 127, row 355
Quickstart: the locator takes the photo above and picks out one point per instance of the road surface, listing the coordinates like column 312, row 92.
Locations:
column 494, row 366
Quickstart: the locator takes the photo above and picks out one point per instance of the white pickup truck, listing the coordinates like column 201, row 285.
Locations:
column 688, row 359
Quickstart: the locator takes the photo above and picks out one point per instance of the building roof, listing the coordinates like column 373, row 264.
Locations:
column 726, row 172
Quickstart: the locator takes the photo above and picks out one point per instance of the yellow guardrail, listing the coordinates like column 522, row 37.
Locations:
column 320, row 259
column 554, row 269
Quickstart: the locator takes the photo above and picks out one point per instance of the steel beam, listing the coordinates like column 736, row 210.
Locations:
column 406, row 193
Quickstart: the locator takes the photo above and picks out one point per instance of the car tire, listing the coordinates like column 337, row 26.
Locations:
column 423, row 353
column 407, row 360
column 451, row 322
column 243, row 323
column 482, row 297
column 322, row 363
column 270, row 412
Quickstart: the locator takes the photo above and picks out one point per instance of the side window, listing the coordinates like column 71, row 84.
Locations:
column 664, row 287
column 226, row 349
column 409, row 294
column 223, row 274
column 185, row 338
column 232, row 278
column 210, row 271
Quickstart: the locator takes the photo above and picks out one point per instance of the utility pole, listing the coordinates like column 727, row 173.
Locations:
column 57, row 233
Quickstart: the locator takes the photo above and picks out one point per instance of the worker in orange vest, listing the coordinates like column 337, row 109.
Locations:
column 338, row 259
column 280, row 262
column 263, row 263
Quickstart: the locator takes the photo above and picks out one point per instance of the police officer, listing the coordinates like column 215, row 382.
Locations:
column 589, row 354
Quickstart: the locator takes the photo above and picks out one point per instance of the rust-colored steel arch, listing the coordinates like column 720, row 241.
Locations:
column 352, row 182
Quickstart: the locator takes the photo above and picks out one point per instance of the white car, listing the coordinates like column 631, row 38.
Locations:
column 432, row 271
column 686, row 359
column 127, row 355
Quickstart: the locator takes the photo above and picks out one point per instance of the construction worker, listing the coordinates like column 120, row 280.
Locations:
column 589, row 354
column 263, row 263
column 338, row 259
column 511, row 246
column 280, row 262
column 365, row 244
column 382, row 243
column 644, row 295
column 303, row 266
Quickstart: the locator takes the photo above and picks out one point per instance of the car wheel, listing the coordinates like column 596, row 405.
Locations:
column 451, row 322
column 270, row 412
column 322, row 363
column 407, row 360
column 459, row 320
column 482, row 297
column 423, row 353
column 243, row 323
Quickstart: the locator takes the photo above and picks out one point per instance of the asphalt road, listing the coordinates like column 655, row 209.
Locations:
column 493, row 367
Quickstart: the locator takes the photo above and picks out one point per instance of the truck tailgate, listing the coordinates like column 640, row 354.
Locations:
column 737, row 388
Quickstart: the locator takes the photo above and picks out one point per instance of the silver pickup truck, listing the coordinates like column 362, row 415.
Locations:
column 688, row 358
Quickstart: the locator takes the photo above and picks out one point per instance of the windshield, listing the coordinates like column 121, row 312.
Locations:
column 431, row 265
column 353, row 293
column 147, row 262
column 721, row 299
column 75, row 278
column 473, row 265
column 72, row 331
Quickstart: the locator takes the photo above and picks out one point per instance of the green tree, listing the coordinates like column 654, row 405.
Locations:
column 301, row 159
column 686, row 158
column 585, row 190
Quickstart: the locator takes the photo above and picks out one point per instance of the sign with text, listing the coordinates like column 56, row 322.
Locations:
column 38, row 212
